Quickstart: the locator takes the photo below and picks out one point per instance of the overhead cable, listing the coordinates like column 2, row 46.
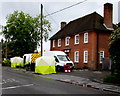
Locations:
column 65, row 8
column 51, row 17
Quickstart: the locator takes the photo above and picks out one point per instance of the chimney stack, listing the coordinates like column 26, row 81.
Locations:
column 108, row 12
column 63, row 24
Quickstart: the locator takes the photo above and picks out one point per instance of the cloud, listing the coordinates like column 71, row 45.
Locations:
column 32, row 7
column 119, row 11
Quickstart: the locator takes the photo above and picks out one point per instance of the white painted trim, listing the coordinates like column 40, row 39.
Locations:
column 53, row 43
column 85, row 57
column 75, row 56
column 107, row 27
column 59, row 42
column 86, row 36
column 101, row 55
column 67, row 38
column 75, row 39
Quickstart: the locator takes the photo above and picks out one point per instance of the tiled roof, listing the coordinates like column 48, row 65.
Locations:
column 90, row 22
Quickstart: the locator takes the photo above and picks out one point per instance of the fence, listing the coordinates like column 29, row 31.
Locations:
column 106, row 63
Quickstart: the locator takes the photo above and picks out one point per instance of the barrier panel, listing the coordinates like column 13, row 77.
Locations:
column 106, row 64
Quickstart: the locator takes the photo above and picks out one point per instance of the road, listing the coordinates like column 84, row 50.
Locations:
column 24, row 83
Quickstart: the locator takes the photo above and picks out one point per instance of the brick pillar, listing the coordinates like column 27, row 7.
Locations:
column 51, row 45
column 108, row 12
column 94, row 55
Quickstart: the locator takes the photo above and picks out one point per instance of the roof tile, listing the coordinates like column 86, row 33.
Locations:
column 90, row 22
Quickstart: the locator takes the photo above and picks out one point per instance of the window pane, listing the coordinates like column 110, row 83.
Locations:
column 85, row 37
column 101, row 56
column 59, row 42
column 67, row 41
column 76, row 56
column 53, row 43
column 85, row 56
column 76, row 39
column 63, row 58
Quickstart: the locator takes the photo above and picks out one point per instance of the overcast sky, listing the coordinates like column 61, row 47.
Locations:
column 32, row 7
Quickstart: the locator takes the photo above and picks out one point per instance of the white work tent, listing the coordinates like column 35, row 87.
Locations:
column 45, row 65
column 27, row 58
column 16, row 61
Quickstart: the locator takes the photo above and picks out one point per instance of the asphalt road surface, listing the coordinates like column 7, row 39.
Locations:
column 24, row 83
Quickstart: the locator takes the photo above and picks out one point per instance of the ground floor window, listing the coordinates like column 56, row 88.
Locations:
column 85, row 56
column 101, row 56
column 76, row 56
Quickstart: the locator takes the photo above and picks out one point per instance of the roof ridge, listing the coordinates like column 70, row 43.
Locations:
column 86, row 23
column 85, row 16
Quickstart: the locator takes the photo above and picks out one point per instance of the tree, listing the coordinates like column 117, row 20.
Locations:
column 115, row 55
column 119, row 24
column 22, row 32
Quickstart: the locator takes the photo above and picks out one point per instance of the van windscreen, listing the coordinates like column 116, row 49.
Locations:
column 63, row 58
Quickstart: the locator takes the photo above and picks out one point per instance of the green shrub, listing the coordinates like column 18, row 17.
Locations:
column 114, row 50
column 112, row 78
column 6, row 62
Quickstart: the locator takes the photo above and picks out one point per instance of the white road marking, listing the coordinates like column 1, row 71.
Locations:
column 9, row 80
column 18, row 86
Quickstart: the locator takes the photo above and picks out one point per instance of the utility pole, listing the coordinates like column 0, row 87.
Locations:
column 6, row 48
column 41, row 30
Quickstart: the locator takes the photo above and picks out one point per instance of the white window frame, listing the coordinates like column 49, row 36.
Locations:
column 53, row 43
column 77, row 39
column 76, row 56
column 86, row 37
column 59, row 42
column 67, row 41
column 85, row 56
column 101, row 56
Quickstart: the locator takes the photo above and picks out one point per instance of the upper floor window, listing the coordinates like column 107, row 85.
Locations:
column 59, row 42
column 53, row 43
column 85, row 37
column 67, row 40
column 76, row 56
column 85, row 56
column 77, row 39
column 101, row 56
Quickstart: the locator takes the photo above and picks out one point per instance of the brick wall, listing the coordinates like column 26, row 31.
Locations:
column 104, row 45
column 91, row 47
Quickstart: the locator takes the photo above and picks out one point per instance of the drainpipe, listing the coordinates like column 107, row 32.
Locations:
column 97, row 51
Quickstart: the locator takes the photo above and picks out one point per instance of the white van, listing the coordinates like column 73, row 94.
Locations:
column 26, row 58
column 61, row 59
column 29, row 60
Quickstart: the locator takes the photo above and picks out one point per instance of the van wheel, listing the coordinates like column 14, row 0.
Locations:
column 27, row 67
column 58, row 69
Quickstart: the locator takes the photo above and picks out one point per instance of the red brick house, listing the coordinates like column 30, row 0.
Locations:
column 86, row 39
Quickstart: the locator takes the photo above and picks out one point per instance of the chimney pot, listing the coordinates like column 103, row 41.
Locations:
column 63, row 24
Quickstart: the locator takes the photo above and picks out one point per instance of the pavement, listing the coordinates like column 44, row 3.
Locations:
column 85, row 78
